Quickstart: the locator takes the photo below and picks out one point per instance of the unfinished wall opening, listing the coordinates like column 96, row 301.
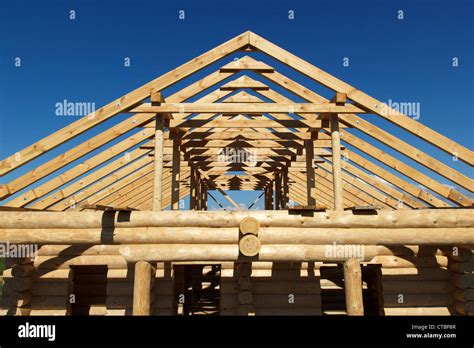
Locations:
column 197, row 289
column 89, row 289
column 333, row 299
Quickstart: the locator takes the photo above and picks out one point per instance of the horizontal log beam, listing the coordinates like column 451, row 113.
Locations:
column 229, row 235
column 426, row 218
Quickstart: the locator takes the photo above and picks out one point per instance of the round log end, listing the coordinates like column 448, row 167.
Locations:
column 249, row 225
column 245, row 297
column 246, row 310
column 243, row 270
column 244, row 283
column 249, row 245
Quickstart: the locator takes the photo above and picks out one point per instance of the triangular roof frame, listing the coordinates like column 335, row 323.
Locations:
column 129, row 180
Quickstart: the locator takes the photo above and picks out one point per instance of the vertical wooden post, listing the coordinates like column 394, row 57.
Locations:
column 175, row 177
column 267, row 198
column 353, row 287
column 270, row 196
column 339, row 99
column 310, row 181
column 142, row 288
column 336, row 162
column 198, row 191
column 285, row 188
column 192, row 189
column 204, row 197
column 277, row 190
column 156, row 99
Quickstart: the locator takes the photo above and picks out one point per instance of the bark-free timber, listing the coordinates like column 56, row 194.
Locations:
column 330, row 219
column 353, row 287
column 142, row 288
column 270, row 235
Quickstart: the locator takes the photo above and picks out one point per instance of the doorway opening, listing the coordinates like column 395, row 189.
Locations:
column 333, row 298
column 197, row 289
column 89, row 289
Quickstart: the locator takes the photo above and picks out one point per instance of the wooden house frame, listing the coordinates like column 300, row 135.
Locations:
column 108, row 246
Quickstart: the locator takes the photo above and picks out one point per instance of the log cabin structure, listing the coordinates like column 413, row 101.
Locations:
column 347, row 228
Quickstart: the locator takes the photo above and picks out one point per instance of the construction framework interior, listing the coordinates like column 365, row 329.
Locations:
column 347, row 227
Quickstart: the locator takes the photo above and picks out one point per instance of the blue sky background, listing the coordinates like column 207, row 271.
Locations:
column 407, row 60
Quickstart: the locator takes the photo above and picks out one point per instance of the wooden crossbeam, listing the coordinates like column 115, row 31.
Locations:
column 247, row 135
column 243, row 82
column 106, row 207
column 259, row 123
column 245, row 63
column 242, row 97
column 244, row 108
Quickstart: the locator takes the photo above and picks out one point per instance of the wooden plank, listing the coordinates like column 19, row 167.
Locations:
column 300, row 208
column 247, row 135
column 106, row 207
column 241, row 142
column 242, row 97
column 246, row 63
column 248, row 123
column 243, row 82
column 244, row 108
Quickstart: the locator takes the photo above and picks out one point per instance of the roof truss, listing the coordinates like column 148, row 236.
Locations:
column 208, row 143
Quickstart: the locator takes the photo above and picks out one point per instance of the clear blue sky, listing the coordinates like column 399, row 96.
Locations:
column 407, row 60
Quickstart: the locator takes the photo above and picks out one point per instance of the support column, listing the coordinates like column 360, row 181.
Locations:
column 310, row 181
column 267, row 197
column 270, row 196
column 204, row 197
column 277, row 190
column 175, row 177
column 336, row 162
column 192, row 189
column 198, row 192
column 285, row 188
column 353, row 287
column 142, row 288
column 156, row 99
